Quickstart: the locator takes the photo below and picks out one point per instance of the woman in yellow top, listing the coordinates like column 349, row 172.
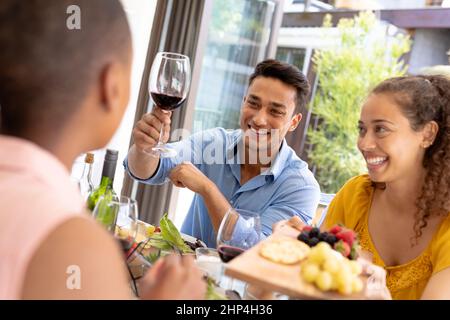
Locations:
column 400, row 210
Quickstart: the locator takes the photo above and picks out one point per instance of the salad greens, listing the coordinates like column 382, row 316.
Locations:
column 170, row 238
column 171, row 234
column 166, row 241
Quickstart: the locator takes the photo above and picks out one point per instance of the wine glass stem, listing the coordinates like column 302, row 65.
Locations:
column 161, row 134
column 161, row 131
column 229, row 281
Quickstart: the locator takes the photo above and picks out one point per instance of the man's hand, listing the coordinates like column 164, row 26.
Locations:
column 173, row 278
column 186, row 175
column 290, row 227
column 146, row 131
column 141, row 161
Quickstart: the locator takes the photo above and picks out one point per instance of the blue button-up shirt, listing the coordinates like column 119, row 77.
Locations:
column 288, row 188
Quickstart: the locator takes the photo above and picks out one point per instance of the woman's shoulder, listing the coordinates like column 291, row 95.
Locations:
column 81, row 247
column 351, row 202
column 442, row 235
column 357, row 182
column 440, row 254
column 357, row 189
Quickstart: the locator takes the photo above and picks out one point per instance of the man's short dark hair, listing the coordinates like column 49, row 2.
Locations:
column 287, row 74
column 46, row 69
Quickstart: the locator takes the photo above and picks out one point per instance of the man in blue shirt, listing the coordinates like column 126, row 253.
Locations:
column 252, row 168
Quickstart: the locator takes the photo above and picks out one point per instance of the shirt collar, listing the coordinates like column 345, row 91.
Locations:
column 280, row 162
column 278, row 165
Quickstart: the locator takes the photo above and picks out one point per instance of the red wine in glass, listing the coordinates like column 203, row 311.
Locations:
column 168, row 86
column 228, row 253
column 166, row 102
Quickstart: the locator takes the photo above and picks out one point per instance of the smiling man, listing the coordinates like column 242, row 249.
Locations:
column 251, row 168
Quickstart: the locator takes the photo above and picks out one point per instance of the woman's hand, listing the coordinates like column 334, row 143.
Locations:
column 290, row 228
column 173, row 278
column 376, row 288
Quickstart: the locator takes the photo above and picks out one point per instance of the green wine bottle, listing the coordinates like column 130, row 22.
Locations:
column 105, row 214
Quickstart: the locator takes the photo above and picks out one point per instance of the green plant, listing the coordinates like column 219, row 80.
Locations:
column 364, row 56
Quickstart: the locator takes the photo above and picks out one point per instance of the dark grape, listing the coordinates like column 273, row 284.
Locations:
column 313, row 241
column 303, row 237
column 314, row 232
column 331, row 239
column 322, row 236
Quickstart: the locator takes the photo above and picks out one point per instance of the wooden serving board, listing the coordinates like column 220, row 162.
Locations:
column 252, row 268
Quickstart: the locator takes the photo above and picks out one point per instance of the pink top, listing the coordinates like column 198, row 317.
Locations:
column 36, row 195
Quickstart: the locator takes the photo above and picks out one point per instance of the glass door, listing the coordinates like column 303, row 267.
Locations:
column 238, row 39
column 240, row 34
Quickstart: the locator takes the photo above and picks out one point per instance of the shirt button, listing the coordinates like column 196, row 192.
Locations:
column 231, row 201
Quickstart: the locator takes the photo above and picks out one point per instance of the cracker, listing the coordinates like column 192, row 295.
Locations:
column 284, row 251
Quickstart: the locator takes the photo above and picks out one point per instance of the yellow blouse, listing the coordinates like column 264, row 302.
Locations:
column 350, row 207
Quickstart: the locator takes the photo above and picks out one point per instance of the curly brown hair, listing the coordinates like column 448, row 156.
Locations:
column 423, row 99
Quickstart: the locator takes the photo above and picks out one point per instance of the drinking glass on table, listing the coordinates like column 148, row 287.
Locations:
column 169, row 81
column 239, row 230
column 119, row 216
column 142, row 257
column 208, row 260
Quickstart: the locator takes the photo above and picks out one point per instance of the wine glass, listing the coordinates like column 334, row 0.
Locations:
column 239, row 230
column 169, row 82
column 208, row 260
column 120, row 216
